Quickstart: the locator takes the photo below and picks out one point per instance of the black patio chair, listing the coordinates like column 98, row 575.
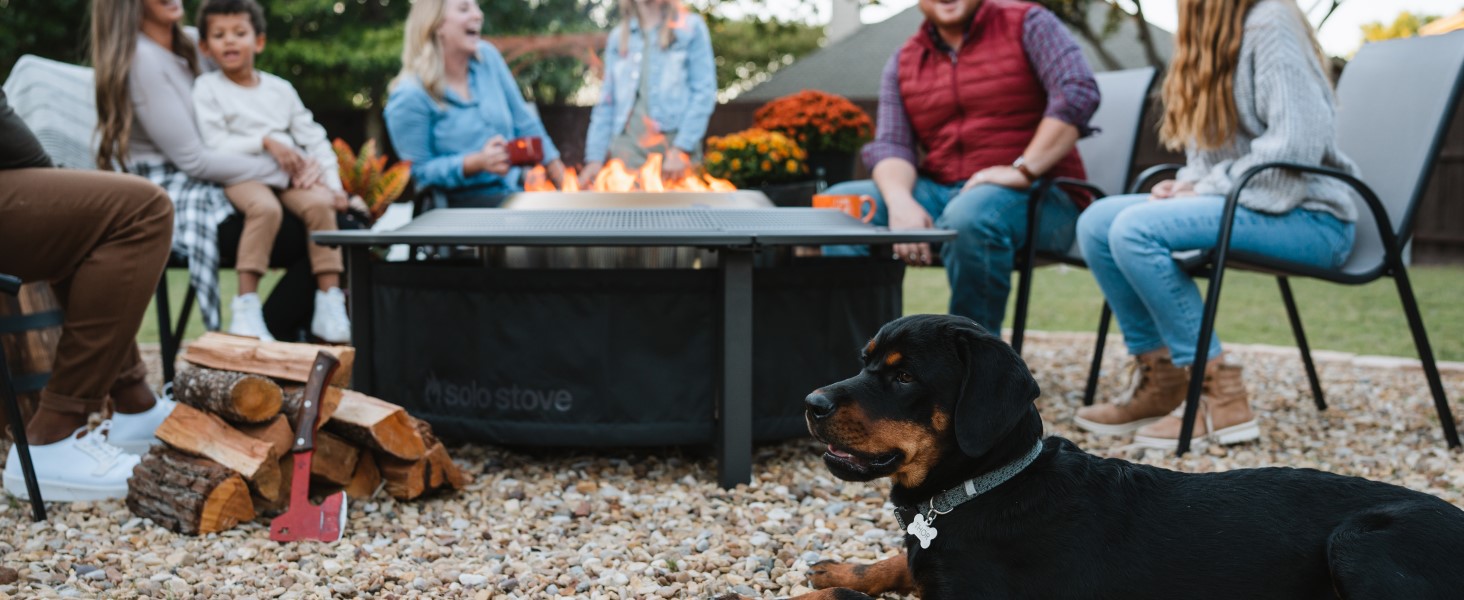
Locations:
column 1108, row 158
column 1395, row 102
column 10, row 285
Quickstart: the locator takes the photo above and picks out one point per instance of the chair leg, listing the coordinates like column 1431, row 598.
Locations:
column 1024, row 294
column 166, row 343
column 1092, row 388
column 22, row 446
column 1425, row 355
column 1296, row 330
column 1202, row 356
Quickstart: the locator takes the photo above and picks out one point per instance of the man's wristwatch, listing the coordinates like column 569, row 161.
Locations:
column 1021, row 165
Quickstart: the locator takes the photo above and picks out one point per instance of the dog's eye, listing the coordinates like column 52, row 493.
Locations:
column 904, row 377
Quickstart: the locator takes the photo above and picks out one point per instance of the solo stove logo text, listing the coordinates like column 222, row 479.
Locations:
column 513, row 399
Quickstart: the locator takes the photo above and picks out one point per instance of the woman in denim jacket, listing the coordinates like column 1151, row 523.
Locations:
column 659, row 91
column 455, row 105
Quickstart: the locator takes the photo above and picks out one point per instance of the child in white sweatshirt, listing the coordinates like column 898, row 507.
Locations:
column 243, row 110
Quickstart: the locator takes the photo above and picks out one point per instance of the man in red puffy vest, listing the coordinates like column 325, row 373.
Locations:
column 994, row 93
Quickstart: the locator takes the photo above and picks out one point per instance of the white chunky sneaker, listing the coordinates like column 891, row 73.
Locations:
column 84, row 466
column 134, row 433
column 248, row 318
column 330, row 322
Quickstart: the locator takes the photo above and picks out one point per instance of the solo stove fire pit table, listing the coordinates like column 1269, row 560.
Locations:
column 544, row 353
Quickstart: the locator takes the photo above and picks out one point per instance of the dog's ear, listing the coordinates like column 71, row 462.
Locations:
column 996, row 391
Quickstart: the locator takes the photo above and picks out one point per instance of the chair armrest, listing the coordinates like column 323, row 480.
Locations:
column 1151, row 174
column 1374, row 205
column 1082, row 184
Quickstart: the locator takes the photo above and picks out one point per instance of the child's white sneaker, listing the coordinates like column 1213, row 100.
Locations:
column 248, row 317
column 84, row 466
column 134, row 433
column 330, row 322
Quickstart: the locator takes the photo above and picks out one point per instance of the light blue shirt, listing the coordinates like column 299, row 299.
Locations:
column 437, row 137
column 683, row 88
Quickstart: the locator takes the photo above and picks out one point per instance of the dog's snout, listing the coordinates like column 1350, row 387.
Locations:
column 819, row 405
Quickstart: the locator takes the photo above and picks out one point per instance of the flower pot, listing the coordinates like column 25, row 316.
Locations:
column 837, row 166
column 796, row 193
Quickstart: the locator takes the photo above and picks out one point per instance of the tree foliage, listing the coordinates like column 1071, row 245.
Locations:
column 1405, row 25
column 749, row 50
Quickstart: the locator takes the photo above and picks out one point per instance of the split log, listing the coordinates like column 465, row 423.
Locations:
column 335, row 459
column 444, row 471
column 366, row 480
column 237, row 397
column 329, row 403
column 281, row 360
column 204, row 434
column 378, row 425
column 276, row 432
column 409, row 479
column 186, row 494
column 270, row 508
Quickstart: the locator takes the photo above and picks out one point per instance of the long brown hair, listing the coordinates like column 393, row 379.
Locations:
column 671, row 18
column 114, row 28
column 1199, row 91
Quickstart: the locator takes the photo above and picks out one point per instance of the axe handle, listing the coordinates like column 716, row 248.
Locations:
column 320, row 374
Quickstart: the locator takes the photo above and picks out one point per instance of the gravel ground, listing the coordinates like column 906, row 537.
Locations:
column 650, row 523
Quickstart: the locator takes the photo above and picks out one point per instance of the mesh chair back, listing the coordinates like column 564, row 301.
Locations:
column 1108, row 155
column 1394, row 103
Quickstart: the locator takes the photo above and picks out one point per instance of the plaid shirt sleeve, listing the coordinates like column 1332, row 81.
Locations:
column 893, row 135
column 1072, row 93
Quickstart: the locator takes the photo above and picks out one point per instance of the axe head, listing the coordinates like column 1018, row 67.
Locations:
column 305, row 521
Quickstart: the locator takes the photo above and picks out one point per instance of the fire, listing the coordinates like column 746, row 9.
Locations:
column 615, row 177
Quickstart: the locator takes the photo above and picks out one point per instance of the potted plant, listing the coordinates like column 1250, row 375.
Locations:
column 828, row 126
column 766, row 160
column 370, row 183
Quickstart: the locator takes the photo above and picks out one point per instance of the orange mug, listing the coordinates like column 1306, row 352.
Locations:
column 858, row 206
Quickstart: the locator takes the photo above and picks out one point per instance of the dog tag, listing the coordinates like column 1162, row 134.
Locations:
column 921, row 529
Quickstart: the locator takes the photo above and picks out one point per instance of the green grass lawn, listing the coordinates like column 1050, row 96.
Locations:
column 1363, row 319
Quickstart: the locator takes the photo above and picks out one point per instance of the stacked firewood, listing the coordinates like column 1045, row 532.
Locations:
column 226, row 454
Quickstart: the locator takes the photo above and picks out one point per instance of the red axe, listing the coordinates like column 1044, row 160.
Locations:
column 303, row 520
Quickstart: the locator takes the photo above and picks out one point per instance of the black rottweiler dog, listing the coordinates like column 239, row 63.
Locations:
column 941, row 402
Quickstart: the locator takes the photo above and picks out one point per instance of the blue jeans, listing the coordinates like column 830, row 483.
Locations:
column 992, row 224
column 1127, row 241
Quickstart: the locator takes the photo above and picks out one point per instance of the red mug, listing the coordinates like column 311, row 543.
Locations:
column 525, row 151
column 857, row 206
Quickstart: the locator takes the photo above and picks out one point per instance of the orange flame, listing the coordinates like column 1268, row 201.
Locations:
column 653, row 136
column 614, row 177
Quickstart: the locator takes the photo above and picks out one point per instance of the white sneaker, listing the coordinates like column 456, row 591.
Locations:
column 134, row 433
column 248, row 317
column 84, row 466
column 330, row 322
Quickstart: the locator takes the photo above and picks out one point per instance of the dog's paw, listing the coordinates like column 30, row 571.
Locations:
column 829, row 574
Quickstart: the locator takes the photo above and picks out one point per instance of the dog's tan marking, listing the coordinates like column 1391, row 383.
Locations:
column 869, row 348
column 916, row 441
column 889, row 575
column 893, row 358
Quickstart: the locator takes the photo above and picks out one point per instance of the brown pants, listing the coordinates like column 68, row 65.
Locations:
column 102, row 241
column 262, row 215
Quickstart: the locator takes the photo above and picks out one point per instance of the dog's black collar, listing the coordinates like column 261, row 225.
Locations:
column 948, row 500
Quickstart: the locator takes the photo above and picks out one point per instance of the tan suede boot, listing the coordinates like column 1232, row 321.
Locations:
column 1224, row 417
column 1157, row 386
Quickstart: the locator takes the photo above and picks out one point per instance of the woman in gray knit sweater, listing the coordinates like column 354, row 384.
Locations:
column 1247, row 86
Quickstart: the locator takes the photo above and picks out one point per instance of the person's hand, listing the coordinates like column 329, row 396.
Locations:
column 555, row 170
column 1170, row 188
column 339, row 199
column 675, row 164
column 905, row 213
column 290, row 160
column 492, row 157
column 1004, row 176
column 308, row 176
column 588, row 172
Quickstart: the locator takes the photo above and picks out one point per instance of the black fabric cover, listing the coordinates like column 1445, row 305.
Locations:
column 589, row 357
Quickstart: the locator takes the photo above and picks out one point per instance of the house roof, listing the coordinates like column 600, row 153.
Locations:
column 851, row 67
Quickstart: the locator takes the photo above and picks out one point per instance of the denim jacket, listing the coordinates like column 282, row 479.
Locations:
column 437, row 137
column 683, row 93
